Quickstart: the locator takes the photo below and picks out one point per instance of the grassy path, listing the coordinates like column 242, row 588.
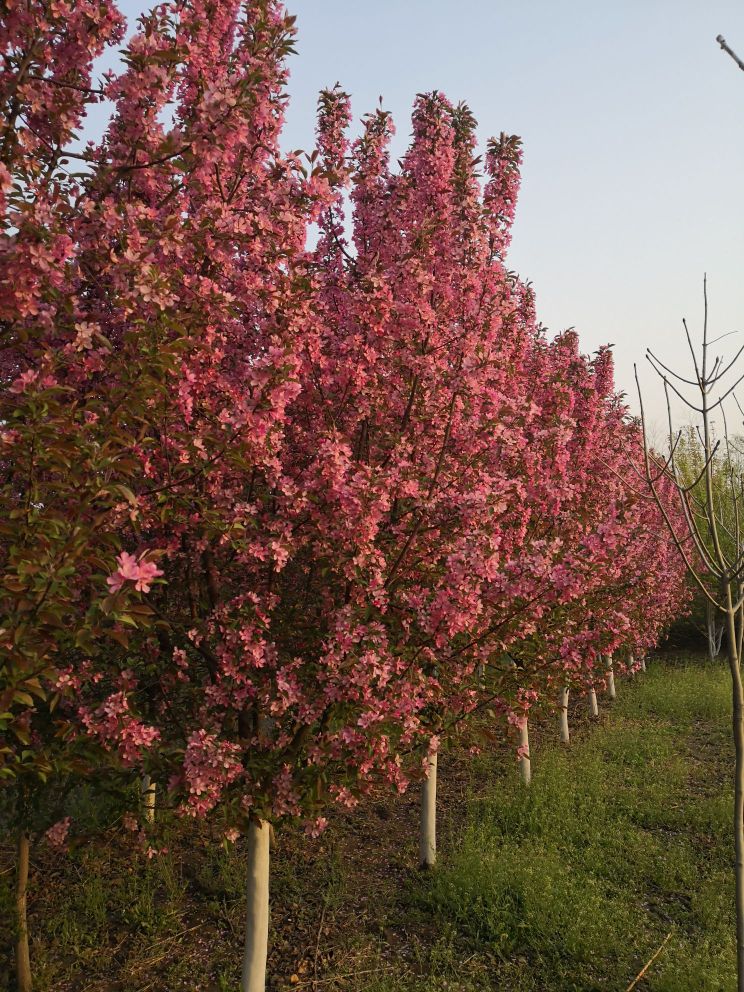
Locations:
column 622, row 839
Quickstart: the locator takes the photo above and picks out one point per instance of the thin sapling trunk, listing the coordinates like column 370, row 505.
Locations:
column 22, row 955
column 611, row 691
column 715, row 632
column 525, row 765
column 149, row 789
column 428, row 827
column 257, row 915
column 738, row 731
column 593, row 706
column 565, row 735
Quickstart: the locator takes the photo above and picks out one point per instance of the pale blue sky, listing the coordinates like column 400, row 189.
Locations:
column 631, row 117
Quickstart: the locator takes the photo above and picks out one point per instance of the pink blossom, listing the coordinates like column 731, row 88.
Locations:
column 132, row 569
column 155, row 852
column 316, row 827
column 56, row 835
column 24, row 380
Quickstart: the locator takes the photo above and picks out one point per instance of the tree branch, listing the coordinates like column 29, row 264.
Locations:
column 729, row 51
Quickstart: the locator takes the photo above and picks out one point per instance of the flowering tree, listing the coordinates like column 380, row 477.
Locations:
column 380, row 523
column 163, row 263
column 539, row 447
column 606, row 576
column 594, row 559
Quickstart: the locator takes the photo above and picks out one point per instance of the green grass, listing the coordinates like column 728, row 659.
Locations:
column 623, row 837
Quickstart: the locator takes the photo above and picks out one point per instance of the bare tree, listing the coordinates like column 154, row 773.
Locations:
column 711, row 540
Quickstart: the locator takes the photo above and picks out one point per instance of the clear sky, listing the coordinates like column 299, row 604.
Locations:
column 631, row 117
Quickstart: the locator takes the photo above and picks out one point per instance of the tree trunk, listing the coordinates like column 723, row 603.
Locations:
column 22, row 955
column 148, row 798
column 257, row 917
column 715, row 633
column 525, row 766
column 565, row 735
column 265, row 726
column 738, row 730
column 611, row 691
column 643, row 662
column 593, row 707
column 710, row 618
column 428, row 828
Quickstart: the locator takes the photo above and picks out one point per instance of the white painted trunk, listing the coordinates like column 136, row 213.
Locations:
column 149, row 789
column 428, row 827
column 565, row 735
column 525, row 767
column 631, row 663
column 643, row 664
column 593, row 707
column 715, row 632
column 257, row 910
column 611, row 691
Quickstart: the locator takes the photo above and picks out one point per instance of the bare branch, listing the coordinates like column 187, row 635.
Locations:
column 674, row 389
column 734, row 496
column 722, row 336
column 692, row 526
column 653, row 358
column 714, row 378
column 703, row 470
column 727, row 393
column 692, row 350
column 729, row 51
column 662, row 508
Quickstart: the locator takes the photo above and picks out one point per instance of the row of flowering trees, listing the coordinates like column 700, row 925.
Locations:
column 277, row 509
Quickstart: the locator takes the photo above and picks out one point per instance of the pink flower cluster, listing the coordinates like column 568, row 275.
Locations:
column 56, row 835
column 209, row 766
column 115, row 726
column 140, row 571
